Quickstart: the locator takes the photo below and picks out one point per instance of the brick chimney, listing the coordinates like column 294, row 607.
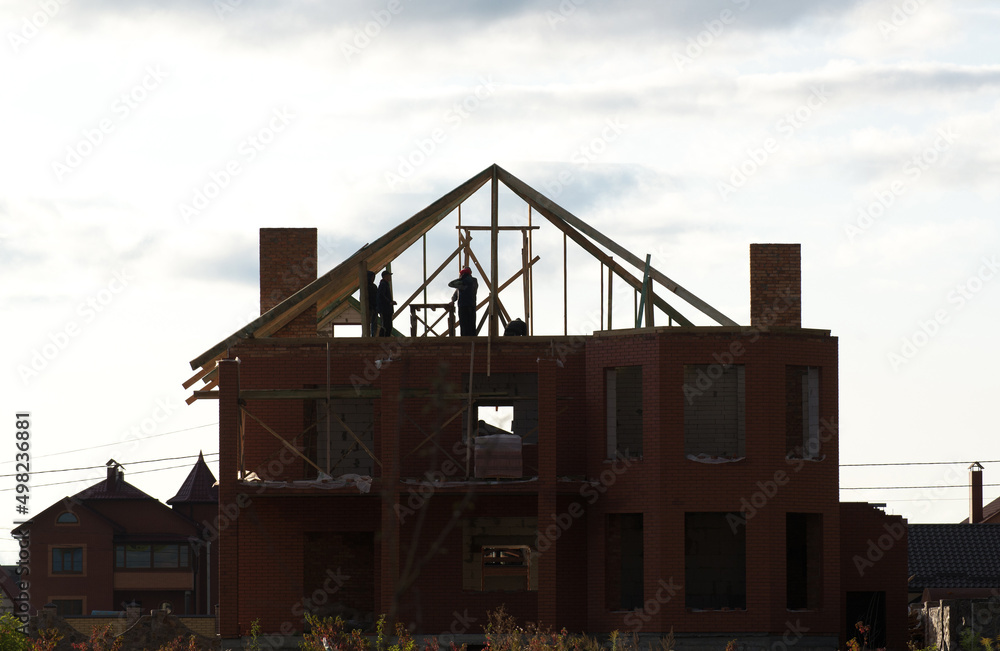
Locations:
column 287, row 264
column 115, row 475
column 775, row 285
column 975, row 493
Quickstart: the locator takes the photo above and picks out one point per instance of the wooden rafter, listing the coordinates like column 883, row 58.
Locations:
column 553, row 210
column 342, row 280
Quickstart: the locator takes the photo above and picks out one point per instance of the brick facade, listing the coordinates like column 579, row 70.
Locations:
column 712, row 465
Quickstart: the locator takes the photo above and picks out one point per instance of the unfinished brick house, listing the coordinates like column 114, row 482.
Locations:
column 653, row 477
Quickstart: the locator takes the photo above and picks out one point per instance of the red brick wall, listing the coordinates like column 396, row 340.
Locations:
column 775, row 285
column 287, row 264
column 874, row 558
column 663, row 485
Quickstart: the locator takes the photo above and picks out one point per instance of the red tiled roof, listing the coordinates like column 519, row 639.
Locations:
column 198, row 487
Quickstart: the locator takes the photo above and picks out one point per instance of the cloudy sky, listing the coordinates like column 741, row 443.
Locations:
column 143, row 148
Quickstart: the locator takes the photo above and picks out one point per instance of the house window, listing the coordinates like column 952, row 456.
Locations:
column 67, row 518
column 714, row 407
column 715, row 574
column 802, row 412
column 156, row 556
column 68, row 607
column 624, row 411
column 803, row 560
column 342, row 438
column 67, row 560
column 497, row 554
column 623, row 561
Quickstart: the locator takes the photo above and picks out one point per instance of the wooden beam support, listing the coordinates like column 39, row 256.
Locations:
column 283, row 441
column 364, row 299
column 499, row 228
column 428, row 281
column 548, row 207
column 622, row 272
column 309, row 394
column 342, row 280
column 494, row 249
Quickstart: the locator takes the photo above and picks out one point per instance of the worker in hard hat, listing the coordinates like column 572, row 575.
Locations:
column 465, row 293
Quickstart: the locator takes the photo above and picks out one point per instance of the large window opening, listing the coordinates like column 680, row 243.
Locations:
column 714, row 408
column 500, row 417
column 715, row 575
column 507, row 402
column 624, row 411
column 341, row 566
column 802, row 412
column 623, row 561
column 803, row 560
column 344, row 436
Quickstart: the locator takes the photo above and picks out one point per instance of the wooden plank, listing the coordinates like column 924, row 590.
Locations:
column 202, row 395
column 437, row 431
column 309, row 394
column 499, row 228
column 622, row 272
column 565, row 290
column 494, row 249
column 510, row 280
column 428, row 281
column 283, row 441
column 489, row 287
column 610, row 287
column 525, row 290
column 540, row 202
column 363, row 299
column 357, row 438
column 342, row 280
column 205, row 370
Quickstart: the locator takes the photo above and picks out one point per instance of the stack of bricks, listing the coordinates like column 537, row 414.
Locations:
column 287, row 264
column 775, row 285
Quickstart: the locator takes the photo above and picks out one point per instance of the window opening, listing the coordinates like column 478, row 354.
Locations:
column 623, row 386
column 714, row 562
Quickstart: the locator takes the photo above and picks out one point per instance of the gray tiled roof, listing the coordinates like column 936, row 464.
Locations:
column 198, row 487
column 954, row 556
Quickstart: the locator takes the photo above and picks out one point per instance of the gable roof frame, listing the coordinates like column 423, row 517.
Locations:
column 328, row 292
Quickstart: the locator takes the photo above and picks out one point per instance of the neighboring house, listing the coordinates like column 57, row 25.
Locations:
column 198, row 500
column 664, row 478
column 955, row 580
column 113, row 544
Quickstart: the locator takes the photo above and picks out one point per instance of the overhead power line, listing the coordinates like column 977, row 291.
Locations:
column 94, row 479
column 127, row 463
column 893, row 488
column 919, row 463
column 105, row 445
